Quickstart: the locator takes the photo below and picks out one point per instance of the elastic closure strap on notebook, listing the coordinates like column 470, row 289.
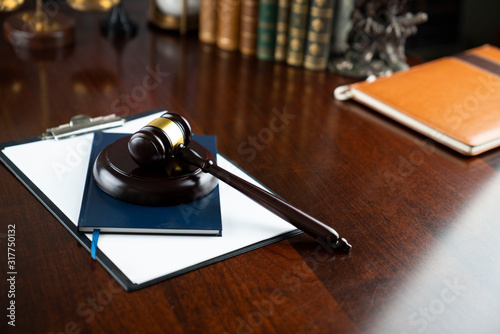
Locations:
column 343, row 93
column 480, row 62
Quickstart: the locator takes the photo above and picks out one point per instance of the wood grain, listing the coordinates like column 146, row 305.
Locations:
column 423, row 221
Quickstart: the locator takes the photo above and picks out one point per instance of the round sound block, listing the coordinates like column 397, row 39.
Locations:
column 176, row 182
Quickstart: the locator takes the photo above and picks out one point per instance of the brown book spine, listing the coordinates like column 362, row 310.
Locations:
column 282, row 30
column 208, row 21
column 248, row 26
column 228, row 24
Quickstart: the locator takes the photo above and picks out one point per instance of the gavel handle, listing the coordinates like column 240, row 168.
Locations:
column 282, row 209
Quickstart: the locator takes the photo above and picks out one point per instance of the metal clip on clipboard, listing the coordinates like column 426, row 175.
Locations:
column 81, row 124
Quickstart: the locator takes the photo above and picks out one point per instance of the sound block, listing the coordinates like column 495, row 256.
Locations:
column 176, row 182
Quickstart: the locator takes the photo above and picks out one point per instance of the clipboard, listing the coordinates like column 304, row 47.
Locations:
column 152, row 260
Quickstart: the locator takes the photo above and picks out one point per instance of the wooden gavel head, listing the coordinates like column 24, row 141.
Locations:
column 144, row 168
column 159, row 140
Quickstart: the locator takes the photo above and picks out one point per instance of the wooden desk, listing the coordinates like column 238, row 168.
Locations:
column 423, row 221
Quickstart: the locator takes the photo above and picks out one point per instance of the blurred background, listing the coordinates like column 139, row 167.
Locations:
column 453, row 26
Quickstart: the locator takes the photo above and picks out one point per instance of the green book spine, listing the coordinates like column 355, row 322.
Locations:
column 297, row 30
column 266, row 31
column 319, row 34
column 282, row 30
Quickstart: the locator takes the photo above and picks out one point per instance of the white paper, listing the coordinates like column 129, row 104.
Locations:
column 59, row 169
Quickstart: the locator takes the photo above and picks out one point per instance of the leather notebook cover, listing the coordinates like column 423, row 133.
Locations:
column 453, row 100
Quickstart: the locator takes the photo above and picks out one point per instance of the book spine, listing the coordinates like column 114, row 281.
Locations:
column 228, row 25
column 297, row 30
column 208, row 21
column 248, row 26
column 266, row 32
column 319, row 34
column 282, row 30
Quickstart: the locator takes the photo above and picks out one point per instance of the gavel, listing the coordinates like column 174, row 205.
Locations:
column 170, row 135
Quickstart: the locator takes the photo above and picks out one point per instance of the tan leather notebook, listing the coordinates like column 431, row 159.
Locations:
column 453, row 100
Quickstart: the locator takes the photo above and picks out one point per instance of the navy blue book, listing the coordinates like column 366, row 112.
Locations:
column 102, row 212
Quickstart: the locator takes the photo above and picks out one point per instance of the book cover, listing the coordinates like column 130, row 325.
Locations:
column 297, row 30
column 266, row 31
column 103, row 212
column 319, row 34
column 248, row 26
column 282, row 30
column 228, row 24
column 454, row 100
column 208, row 21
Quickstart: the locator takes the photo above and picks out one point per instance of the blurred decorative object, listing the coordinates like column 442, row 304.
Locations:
column 36, row 29
column 93, row 5
column 377, row 39
column 117, row 23
column 342, row 25
column 181, row 15
column 10, row 5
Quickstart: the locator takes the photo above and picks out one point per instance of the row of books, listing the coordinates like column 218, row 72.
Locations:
column 295, row 31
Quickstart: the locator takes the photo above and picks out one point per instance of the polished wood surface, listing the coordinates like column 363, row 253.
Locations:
column 423, row 221
column 324, row 234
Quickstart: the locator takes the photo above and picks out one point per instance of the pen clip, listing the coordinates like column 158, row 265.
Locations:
column 81, row 124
